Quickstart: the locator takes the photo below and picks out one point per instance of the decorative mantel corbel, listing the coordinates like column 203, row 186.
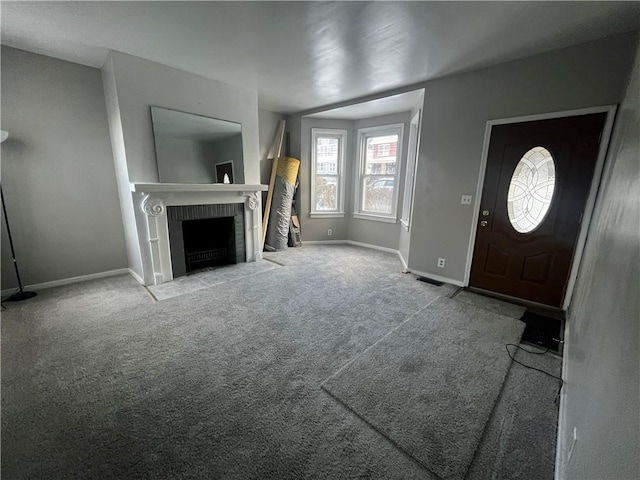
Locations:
column 252, row 199
column 153, row 206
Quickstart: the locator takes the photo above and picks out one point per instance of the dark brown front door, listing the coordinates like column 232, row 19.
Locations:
column 535, row 189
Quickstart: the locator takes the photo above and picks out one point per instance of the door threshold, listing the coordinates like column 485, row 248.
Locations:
column 555, row 312
column 534, row 310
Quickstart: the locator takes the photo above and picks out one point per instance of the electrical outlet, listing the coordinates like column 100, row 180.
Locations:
column 329, row 232
column 466, row 200
column 441, row 263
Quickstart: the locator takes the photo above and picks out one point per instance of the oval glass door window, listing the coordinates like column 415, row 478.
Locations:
column 531, row 190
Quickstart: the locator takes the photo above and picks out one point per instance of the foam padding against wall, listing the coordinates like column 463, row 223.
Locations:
column 280, row 214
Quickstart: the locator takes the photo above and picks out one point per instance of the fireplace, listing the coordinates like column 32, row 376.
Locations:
column 165, row 207
column 202, row 236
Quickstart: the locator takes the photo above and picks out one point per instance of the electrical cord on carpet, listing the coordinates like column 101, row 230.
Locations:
column 511, row 356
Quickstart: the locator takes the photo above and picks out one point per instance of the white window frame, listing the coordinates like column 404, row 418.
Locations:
column 363, row 134
column 412, row 166
column 342, row 137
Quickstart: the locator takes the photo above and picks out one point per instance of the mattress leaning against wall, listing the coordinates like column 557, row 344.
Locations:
column 280, row 214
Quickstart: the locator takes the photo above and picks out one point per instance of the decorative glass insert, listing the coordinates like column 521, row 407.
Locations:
column 531, row 190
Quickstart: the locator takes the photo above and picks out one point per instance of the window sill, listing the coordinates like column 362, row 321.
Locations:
column 326, row 215
column 375, row 218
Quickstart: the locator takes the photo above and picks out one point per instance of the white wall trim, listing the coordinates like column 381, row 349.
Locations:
column 69, row 281
column 373, row 247
column 439, row 278
column 326, row 215
column 610, row 110
column 375, row 218
column 405, row 267
column 323, row 242
column 362, row 133
column 135, row 276
column 341, row 173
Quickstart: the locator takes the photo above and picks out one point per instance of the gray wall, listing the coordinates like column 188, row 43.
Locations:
column 181, row 160
column 316, row 228
column 602, row 358
column 455, row 113
column 347, row 228
column 267, row 125
column 132, row 85
column 370, row 231
column 57, row 171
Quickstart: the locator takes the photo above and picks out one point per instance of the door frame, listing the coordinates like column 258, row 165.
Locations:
column 610, row 110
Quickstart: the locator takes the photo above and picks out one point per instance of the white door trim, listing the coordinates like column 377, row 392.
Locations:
column 610, row 110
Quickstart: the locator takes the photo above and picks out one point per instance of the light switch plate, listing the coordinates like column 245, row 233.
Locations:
column 466, row 200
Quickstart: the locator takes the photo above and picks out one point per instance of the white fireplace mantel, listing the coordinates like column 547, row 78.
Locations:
column 195, row 187
column 151, row 200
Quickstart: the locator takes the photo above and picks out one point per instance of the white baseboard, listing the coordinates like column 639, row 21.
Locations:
column 323, row 242
column 135, row 276
column 373, row 247
column 405, row 267
column 439, row 278
column 68, row 281
column 361, row 244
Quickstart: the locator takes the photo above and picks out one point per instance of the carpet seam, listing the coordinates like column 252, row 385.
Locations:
column 380, row 432
column 379, row 340
column 489, row 418
column 324, row 387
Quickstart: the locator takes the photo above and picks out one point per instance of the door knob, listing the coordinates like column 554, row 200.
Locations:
column 483, row 223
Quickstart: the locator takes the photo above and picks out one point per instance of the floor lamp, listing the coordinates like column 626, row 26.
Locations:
column 21, row 294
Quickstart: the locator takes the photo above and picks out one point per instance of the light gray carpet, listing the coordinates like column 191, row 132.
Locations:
column 431, row 384
column 100, row 381
column 519, row 442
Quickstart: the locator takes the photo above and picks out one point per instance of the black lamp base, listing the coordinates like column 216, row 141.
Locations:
column 18, row 297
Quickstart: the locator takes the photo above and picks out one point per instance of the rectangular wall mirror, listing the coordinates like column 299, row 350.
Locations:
column 196, row 149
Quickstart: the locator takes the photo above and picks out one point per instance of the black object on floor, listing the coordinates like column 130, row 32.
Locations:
column 431, row 281
column 542, row 331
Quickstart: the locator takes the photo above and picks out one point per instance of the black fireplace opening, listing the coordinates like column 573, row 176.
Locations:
column 209, row 242
column 205, row 236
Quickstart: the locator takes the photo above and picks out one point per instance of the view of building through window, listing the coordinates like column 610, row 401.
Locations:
column 380, row 162
column 327, row 158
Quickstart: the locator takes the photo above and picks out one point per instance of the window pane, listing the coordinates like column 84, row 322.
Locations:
column 381, row 155
column 326, row 193
column 531, row 190
column 378, row 194
column 327, row 149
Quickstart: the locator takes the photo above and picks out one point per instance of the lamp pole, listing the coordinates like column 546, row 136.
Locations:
column 21, row 294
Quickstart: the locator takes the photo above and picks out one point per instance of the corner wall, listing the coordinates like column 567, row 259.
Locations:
column 57, row 172
column 602, row 357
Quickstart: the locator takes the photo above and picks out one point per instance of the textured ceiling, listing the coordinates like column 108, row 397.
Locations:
column 302, row 55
